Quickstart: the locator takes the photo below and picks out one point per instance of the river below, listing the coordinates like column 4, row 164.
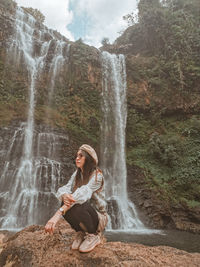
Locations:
column 178, row 239
column 173, row 238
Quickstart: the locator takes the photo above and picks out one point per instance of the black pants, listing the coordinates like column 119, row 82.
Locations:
column 85, row 214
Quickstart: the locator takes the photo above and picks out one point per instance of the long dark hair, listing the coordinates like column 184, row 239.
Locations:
column 88, row 168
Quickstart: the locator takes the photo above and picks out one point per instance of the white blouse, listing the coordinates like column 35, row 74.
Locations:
column 93, row 191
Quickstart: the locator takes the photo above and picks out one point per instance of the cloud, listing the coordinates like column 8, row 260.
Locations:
column 104, row 18
column 57, row 14
column 91, row 20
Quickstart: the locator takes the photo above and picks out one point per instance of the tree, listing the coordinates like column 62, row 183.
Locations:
column 146, row 6
column 169, row 30
column 105, row 41
column 131, row 18
column 79, row 41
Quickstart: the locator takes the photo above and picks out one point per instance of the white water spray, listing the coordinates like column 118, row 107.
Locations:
column 28, row 187
column 56, row 65
column 123, row 213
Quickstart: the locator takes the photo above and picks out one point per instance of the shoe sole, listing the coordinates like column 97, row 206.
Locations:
column 91, row 247
column 74, row 248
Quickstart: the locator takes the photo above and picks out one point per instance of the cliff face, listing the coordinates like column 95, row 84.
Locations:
column 53, row 87
column 80, row 76
column 162, row 126
column 162, row 61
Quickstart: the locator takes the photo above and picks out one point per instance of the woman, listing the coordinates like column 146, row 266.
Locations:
column 83, row 202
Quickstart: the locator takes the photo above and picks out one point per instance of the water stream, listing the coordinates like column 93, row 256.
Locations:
column 30, row 177
column 123, row 212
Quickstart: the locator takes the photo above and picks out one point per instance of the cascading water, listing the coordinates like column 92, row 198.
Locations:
column 28, row 187
column 122, row 211
column 56, row 64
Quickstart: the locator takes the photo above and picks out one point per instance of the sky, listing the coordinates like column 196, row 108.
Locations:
column 90, row 20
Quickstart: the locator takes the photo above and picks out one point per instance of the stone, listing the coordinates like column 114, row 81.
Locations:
column 33, row 247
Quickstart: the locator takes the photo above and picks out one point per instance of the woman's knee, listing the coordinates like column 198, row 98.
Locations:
column 78, row 208
column 79, row 212
column 72, row 212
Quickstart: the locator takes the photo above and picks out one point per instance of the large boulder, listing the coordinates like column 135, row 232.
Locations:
column 33, row 247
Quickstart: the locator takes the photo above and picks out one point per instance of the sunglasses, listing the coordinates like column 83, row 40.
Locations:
column 79, row 155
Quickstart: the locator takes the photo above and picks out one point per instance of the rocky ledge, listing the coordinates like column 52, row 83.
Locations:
column 33, row 247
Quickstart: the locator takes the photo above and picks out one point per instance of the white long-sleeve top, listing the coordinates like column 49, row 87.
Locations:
column 92, row 191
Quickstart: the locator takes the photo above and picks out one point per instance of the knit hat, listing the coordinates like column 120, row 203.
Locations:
column 90, row 151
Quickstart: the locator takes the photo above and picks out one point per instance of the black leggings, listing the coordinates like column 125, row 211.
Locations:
column 85, row 214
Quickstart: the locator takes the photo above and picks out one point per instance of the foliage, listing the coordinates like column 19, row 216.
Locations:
column 193, row 129
column 169, row 31
column 75, row 105
column 105, row 41
column 35, row 13
column 163, row 149
column 170, row 156
column 79, row 41
column 138, row 129
column 131, row 18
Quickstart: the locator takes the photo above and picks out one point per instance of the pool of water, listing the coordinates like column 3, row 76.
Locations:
column 178, row 239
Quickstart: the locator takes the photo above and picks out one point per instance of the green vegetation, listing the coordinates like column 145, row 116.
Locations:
column 13, row 90
column 75, row 105
column 169, row 32
column 163, row 124
column 79, row 98
column 168, row 150
column 105, row 41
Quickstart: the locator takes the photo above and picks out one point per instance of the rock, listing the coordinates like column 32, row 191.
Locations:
column 147, row 204
column 33, row 247
column 188, row 226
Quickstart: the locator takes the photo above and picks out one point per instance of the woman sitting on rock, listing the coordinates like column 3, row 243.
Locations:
column 83, row 202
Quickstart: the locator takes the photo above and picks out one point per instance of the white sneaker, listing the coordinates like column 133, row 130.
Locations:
column 90, row 242
column 78, row 240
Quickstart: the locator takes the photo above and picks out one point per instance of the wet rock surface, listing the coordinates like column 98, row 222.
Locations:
column 32, row 247
column 53, row 155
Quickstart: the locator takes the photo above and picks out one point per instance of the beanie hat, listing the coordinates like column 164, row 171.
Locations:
column 90, row 151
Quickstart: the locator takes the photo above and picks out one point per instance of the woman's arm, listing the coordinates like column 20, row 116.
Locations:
column 63, row 194
column 50, row 226
column 66, row 189
column 84, row 193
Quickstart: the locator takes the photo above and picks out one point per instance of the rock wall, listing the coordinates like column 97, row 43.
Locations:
column 53, row 163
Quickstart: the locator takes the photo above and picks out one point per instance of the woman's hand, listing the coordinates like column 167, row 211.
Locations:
column 50, row 226
column 68, row 200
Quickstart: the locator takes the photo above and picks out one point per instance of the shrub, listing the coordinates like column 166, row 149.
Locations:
column 163, row 149
column 193, row 130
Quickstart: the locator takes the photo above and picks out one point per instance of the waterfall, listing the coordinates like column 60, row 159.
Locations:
column 31, row 174
column 122, row 212
column 56, row 65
